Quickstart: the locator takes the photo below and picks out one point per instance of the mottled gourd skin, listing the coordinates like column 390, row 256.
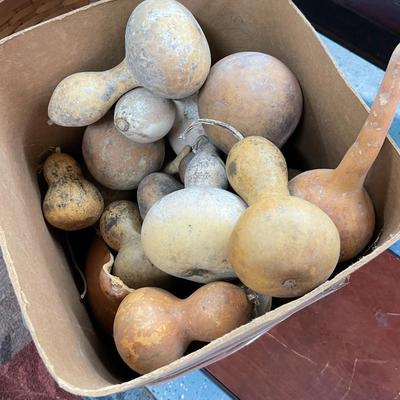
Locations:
column 115, row 161
column 166, row 49
column 186, row 233
column 120, row 229
column 281, row 246
column 83, row 98
column 153, row 328
column 206, row 166
column 154, row 187
column 166, row 52
column 352, row 211
column 186, row 113
column 255, row 93
column 143, row 117
column 71, row 202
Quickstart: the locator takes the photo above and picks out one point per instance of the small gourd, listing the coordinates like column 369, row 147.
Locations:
column 186, row 233
column 120, row 229
column 143, row 117
column 153, row 328
column 186, row 113
column 71, row 202
column 340, row 192
column 154, row 187
column 166, row 52
column 115, row 161
column 282, row 246
column 254, row 92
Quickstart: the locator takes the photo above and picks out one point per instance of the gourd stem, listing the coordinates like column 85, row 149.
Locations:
column 353, row 168
column 213, row 122
column 173, row 167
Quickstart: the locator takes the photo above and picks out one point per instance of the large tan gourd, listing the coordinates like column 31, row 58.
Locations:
column 115, row 161
column 120, row 229
column 71, row 202
column 152, row 327
column 186, row 233
column 282, row 245
column 166, row 52
column 254, row 92
column 340, row 192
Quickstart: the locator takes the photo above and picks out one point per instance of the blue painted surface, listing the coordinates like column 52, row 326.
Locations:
column 365, row 79
column 193, row 386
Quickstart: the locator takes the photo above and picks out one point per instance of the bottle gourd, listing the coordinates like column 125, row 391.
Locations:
column 166, row 52
column 186, row 233
column 71, row 202
column 340, row 192
column 282, row 246
column 153, row 328
column 120, row 229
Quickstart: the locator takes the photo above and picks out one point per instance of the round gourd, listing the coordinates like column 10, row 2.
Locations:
column 340, row 192
column 281, row 245
column 186, row 233
column 186, row 112
column 71, row 202
column 152, row 327
column 115, row 161
column 143, row 117
column 166, row 52
column 254, row 92
column 120, row 229
column 154, row 187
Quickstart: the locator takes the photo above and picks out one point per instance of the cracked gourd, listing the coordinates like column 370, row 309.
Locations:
column 166, row 52
column 340, row 192
column 186, row 233
column 282, row 246
column 120, row 229
column 152, row 327
column 71, row 202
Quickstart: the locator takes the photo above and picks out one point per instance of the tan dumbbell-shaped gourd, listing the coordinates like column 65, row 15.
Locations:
column 165, row 51
column 153, row 328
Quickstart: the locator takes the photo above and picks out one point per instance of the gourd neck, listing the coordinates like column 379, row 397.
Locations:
column 353, row 169
column 121, row 74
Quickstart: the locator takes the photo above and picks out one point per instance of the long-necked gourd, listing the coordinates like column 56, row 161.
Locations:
column 281, row 245
column 340, row 192
column 165, row 51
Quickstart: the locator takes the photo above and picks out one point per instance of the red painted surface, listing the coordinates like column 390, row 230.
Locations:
column 346, row 346
column 25, row 377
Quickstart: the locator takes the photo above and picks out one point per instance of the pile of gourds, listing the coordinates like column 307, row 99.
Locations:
column 223, row 209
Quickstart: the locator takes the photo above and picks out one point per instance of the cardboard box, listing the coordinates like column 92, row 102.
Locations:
column 91, row 38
